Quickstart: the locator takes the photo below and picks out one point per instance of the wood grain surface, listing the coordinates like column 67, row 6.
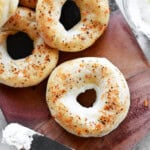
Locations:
column 28, row 106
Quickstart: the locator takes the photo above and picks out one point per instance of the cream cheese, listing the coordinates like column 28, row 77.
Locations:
column 139, row 14
column 18, row 136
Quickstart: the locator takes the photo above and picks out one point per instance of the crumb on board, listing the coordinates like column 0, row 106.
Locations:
column 146, row 103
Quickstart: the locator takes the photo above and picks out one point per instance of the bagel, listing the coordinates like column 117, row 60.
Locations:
column 28, row 3
column 34, row 68
column 74, row 77
column 94, row 19
column 7, row 9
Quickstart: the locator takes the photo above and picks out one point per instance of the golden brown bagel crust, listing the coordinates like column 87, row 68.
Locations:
column 94, row 19
column 36, row 67
column 74, row 77
column 28, row 3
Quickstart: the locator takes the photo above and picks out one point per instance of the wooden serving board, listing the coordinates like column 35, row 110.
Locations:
column 28, row 106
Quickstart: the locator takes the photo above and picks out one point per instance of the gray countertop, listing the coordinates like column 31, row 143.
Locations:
column 113, row 5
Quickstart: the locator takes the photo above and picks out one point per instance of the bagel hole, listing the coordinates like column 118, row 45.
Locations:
column 70, row 14
column 87, row 98
column 19, row 45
